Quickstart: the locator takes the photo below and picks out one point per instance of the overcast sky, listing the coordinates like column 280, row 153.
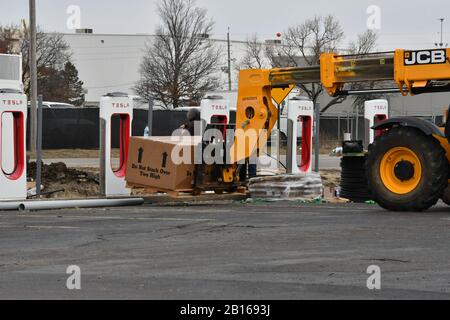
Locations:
column 413, row 23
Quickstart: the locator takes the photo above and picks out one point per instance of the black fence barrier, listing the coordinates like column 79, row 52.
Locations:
column 79, row 128
column 332, row 129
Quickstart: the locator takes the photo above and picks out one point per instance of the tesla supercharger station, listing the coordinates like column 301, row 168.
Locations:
column 215, row 110
column 112, row 181
column 300, row 120
column 375, row 111
column 13, row 119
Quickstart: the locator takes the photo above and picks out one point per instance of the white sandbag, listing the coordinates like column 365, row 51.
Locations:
column 287, row 187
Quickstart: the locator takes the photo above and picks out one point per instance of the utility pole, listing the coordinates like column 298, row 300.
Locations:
column 151, row 107
column 229, row 59
column 33, row 76
column 441, row 44
column 39, row 149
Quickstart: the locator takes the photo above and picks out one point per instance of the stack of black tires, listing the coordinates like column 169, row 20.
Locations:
column 354, row 184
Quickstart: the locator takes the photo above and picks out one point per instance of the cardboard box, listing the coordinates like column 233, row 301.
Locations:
column 150, row 163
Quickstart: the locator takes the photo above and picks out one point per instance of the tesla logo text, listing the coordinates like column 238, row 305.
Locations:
column 121, row 105
column 425, row 57
column 218, row 107
column 12, row 102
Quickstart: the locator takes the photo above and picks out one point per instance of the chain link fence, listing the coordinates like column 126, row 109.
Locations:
column 333, row 127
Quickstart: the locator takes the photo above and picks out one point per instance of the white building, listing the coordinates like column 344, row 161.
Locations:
column 110, row 63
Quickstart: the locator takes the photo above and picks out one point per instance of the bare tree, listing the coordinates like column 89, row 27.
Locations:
column 255, row 55
column 303, row 45
column 53, row 52
column 181, row 63
column 365, row 43
column 57, row 76
column 282, row 55
column 8, row 39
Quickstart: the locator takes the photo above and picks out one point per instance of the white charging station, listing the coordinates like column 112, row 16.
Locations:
column 300, row 119
column 112, row 180
column 13, row 119
column 375, row 111
column 215, row 110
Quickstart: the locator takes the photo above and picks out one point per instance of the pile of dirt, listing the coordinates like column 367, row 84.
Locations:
column 62, row 182
column 331, row 178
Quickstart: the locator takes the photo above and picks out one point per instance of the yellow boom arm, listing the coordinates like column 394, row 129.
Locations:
column 414, row 72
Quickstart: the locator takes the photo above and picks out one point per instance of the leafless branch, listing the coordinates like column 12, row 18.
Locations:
column 180, row 63
column 303, row 45
column 53, row 52
column 254, row 57
column 365, row 43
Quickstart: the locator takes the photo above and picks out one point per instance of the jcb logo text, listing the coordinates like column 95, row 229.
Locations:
column 425, row 57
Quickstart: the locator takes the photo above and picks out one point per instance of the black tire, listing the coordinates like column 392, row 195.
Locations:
column 354, row 179
column 446, row 196
column 434, row 163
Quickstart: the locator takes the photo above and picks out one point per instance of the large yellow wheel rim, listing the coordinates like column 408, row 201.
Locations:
column 401, row 170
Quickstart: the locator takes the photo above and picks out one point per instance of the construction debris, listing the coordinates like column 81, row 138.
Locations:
column 287, row 187
column 70, row 183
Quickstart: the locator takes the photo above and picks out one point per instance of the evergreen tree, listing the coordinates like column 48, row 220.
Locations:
column 51, row 85
column 61, row 85
column 75, row 91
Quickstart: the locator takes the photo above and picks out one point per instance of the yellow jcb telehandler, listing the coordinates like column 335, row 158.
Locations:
column 408, row 164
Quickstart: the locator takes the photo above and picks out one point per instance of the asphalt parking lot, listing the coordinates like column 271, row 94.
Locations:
column 226, row 251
